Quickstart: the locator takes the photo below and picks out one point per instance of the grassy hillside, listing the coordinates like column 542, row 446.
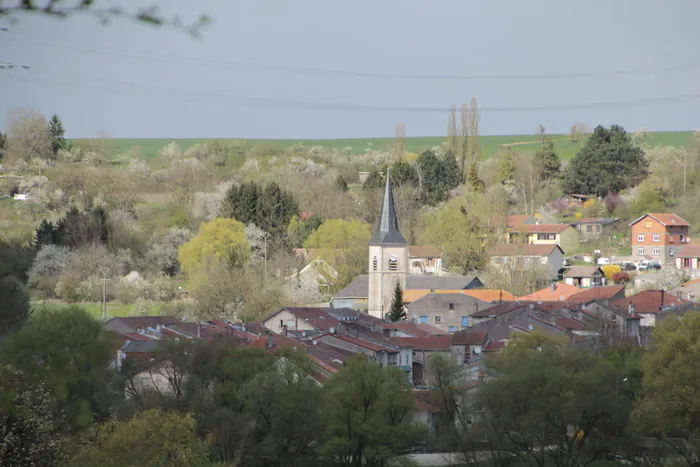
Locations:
column 490, row 145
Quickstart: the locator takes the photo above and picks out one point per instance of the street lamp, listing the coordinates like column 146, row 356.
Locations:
column 104, row 272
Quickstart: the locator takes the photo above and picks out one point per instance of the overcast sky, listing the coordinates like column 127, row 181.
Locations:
column 331, row 69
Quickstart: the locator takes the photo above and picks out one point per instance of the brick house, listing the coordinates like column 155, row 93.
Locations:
column 658, row 236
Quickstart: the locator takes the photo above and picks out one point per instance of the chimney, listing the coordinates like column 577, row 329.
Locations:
column 270, row 342
column 661, row 307
column 284, row 330
column 554, row 286
column 630, row 308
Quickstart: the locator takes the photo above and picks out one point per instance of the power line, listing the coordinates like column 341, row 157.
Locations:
column 197, row 96
column 315, row 71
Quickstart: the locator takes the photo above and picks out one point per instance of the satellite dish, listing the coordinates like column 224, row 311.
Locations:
column 303, row 334
column 332, row 330
column 314, row 341
column 477, row 350
column 532, row 307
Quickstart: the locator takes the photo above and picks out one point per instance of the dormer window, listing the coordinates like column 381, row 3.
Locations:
column 393, row 263
column 374, row 264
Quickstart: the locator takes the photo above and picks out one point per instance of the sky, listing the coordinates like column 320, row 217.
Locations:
column 353, row 69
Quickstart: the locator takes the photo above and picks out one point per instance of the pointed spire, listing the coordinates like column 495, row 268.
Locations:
column 387, row 232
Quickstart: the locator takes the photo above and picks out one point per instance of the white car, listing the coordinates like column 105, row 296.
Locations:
column 603, row 261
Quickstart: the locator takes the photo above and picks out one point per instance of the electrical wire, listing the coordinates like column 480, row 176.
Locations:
column 324, row 72
column 150, row 91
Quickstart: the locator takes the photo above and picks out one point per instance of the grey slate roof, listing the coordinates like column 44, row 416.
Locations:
column 440, row 301
column 359, row 287
column 387, row 232
column 142, row 346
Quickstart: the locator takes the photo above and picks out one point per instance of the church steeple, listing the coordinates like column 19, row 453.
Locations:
column 387, row 232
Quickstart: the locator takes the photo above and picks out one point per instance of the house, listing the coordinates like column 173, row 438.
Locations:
column 425, row 260
column 545, row 234
column 658, row 236
column 593, row 229
column 468, row 345
column 519, row 219
column 576, row 199
column 422, row 349
column 448, row 312
column 557, row 292
column 355, row 294
column 653, row 305
column 585, row 276
column 605, row 294
column 526, row 255
column 688, row 291
column 687, row 257
column 304, row 319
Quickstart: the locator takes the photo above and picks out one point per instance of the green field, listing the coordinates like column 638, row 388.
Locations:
column 490, row 145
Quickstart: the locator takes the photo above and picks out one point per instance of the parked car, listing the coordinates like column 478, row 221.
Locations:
column 627, row 266
column 647, row 265
column 603, row 261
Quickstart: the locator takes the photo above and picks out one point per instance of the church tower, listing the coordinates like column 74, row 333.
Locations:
column 388, row 257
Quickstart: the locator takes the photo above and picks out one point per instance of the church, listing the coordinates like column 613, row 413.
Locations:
column 388, row 265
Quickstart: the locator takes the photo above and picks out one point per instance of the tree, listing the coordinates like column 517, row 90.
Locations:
column 473, row 179
column 547, row 160
column 609, row 162
column 344, row 245
column 16, row 257
column 474, row 118
column 14, row 305
column 553, row 403
column 397, row 312
column 56, row 133
column 163, row 251
column 507, row 167
column 668, row 410
column 80, row 228
column 29, row 434
column 437, row 176
column 150, row 15
column 341, row 184
column 541, row 133
column 152, row 438
column 298, row 231
column 28, row 137
column 61, row 350
column 223, row 239
column 269, row 207
column 402, row 174
column 3, row 142
column 374, row 181
column 610, row 270
column 368, row 411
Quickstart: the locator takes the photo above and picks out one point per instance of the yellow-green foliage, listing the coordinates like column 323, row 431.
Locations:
column 610, row 270
column 220, row 239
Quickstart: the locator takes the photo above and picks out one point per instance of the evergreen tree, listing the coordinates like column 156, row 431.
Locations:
column 56, row 133
column 403, row 173
column 608, row 163
column 473, row 179
column 80, row 228
column 506, row 169
column 373, row 181
column 3, row 141
column 437, row 176
column 341, row 184
column 397, row 312
column 547, row 161
column 46, row 234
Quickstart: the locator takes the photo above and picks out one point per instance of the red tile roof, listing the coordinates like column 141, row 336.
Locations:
column 597, row 293
column 539, row 228
column 522, row 249
column 434, row 342
column 135, row 322
column 688, row 251
column 468, row 337
column 489, row 295
column 278, row 342
column 367, row 344
column 517, row 219
column 498, row 310
column 570, row 323
column 560, row 293
column 495, row 346
column 665, row 218
column 316, row 317
column 649, row 301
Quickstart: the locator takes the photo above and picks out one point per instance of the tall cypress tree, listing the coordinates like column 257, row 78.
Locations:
column 57, row 133
column 397, row 312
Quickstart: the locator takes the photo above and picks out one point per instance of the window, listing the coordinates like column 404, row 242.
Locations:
column 465, row 321
column 648, row 225
column 423, row 319
column 589, row 228
column 393, row 263
column 374, row 263
column 451, row 306
column 546, row 237
column 681, row 238
column 281, row 323
column 438, row 319
column 452, row 329
column 640, row 251
column 655, row 251
column 640, row 238
column 656, row 238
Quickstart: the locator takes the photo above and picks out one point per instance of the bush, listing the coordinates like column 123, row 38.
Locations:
column 162, row 254
column 51, row 260
column 610, row 270
column 621, row 278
